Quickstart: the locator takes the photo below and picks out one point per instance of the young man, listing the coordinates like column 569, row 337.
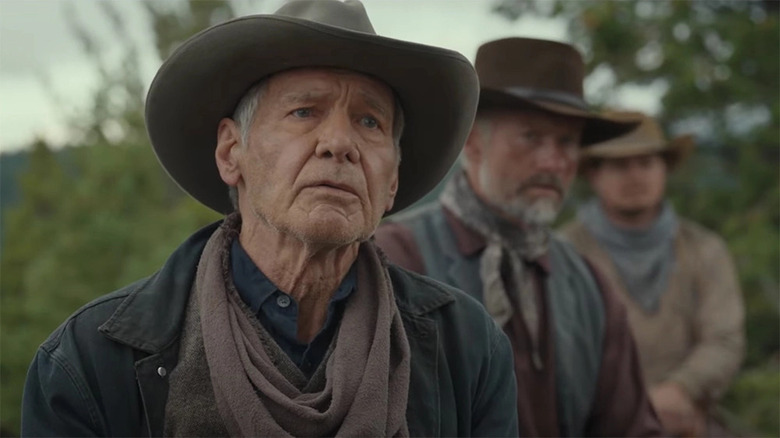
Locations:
column 675, row 277
column 575, row 360
column 284, row 319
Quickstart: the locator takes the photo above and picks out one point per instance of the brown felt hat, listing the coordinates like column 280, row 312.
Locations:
column 544, row 75
column 203, row 80
column 647, row 138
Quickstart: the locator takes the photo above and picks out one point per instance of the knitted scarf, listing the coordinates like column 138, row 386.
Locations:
column 643, row 258
column 367, row 373
column 508, row 247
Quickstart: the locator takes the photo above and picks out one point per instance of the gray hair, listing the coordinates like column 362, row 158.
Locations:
column 247, row 107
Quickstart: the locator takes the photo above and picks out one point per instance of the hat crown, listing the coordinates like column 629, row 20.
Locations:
column 349, row 14
column 533, row 64
column 647, row 135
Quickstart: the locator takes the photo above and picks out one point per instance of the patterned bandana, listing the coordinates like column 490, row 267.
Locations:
column 509, row 247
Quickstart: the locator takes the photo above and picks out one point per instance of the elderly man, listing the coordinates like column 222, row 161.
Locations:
column 489, row 235
column 284, row 320
column 676, row 278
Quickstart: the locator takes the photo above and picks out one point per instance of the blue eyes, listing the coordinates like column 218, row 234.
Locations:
column 366, row 121
column 369, row 122
column 302, row 112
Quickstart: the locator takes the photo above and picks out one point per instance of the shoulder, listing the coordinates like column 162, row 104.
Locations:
column 577, row 234
column 397, row 239
column 419, row 296
column 83, row 325
column 695, row 234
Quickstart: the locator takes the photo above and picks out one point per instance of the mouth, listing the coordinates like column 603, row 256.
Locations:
column 333, row 185
column 543, row 184
column 543, row 188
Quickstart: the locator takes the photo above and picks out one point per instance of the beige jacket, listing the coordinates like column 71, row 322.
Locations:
column 696, row 338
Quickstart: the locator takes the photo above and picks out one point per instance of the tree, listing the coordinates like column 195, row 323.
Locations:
column 98, row 214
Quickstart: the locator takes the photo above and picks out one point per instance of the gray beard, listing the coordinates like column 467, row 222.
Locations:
column 541, row 212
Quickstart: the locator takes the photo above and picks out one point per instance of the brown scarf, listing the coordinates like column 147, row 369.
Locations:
column 367, row 374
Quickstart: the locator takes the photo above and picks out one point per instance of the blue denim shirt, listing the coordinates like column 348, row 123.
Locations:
column 278, row 311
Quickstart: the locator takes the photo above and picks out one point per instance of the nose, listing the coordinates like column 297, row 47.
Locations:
column 552, row 156
column 338, row 139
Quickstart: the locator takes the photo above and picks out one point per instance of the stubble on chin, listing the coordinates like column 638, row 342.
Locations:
column 535, row 212
column 314, row 229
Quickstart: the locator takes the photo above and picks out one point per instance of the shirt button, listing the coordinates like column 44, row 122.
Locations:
column 162, row 371
column 283, row 301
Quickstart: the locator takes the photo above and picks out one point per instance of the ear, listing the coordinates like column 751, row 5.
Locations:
column 393, row 191
column 472, row 149
column 228, row 151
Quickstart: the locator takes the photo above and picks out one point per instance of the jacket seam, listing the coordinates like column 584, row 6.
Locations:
column 489, row 367
column 80, row 386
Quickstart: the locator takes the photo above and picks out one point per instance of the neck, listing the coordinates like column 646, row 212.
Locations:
column 636, row 219
column 308, row 272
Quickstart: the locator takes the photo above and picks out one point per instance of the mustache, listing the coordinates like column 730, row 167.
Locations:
column 543, row 179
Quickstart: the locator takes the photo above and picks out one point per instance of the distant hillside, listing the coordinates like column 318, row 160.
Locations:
column 11, row 165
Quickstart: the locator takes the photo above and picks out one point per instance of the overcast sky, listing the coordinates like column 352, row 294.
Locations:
column 37, row 46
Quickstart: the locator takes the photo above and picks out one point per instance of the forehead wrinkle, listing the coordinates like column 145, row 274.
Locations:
column 299, row 97
column 374, row 101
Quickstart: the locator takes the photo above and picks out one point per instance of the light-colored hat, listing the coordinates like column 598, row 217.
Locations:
column 545, row 75
column 203, row 80
column 647, row 138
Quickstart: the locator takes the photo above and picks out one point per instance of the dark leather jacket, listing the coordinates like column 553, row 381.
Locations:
column 103, row 371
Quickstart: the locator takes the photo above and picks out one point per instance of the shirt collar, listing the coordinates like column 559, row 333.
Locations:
column 255, row 288
column 252, row 285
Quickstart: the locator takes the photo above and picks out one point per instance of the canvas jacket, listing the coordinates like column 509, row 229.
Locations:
column 103, row 371
column 620, row 405
column 696, row 338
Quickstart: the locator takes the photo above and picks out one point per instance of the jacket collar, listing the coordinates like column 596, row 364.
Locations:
column 410, row 299
column 150, row 318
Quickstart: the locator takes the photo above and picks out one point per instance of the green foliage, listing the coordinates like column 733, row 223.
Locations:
column 754, row 397
column 95, row 216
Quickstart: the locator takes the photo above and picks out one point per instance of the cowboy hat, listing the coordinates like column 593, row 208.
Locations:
column 543, row 75
column 203, row 80
column 647, row 138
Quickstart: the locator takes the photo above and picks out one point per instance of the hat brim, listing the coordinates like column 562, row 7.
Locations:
column 598, row 128
column 203, row 80
column 678, row 150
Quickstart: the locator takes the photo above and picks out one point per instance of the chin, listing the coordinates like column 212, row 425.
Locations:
column 632, row 210
column 538, row 211
column 331, row 231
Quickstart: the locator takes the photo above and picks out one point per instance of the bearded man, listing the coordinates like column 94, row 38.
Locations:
column 489, row 234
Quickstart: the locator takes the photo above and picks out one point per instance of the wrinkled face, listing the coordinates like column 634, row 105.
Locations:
column 319, row 163
column 523, row 162
column 630, row 186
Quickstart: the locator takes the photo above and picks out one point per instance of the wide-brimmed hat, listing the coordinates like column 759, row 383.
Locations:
column 647, row 138
column 203, row 80
column 544, row 75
